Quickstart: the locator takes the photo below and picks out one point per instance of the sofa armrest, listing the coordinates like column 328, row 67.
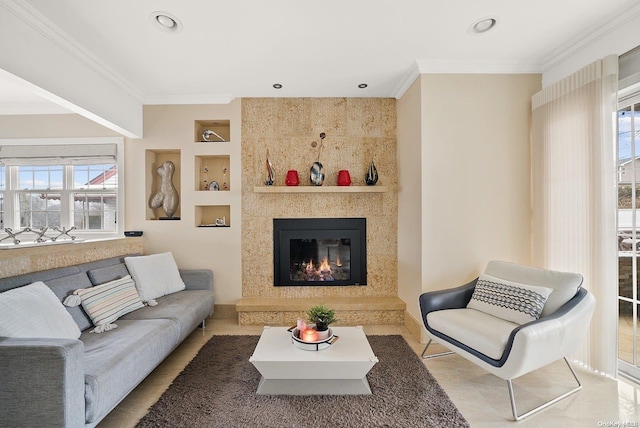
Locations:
column 42, row 382
column 197, row 279
column 452, row 298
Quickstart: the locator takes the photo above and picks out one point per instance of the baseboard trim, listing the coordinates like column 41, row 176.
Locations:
column 414, row 326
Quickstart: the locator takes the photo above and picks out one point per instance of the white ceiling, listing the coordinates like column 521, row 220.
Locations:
column 240, row 48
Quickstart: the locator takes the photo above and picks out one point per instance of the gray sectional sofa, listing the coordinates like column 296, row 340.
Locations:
column 76, row 383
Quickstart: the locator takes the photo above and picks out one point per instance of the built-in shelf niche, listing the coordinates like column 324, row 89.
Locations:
column 221, row 131
column 213, row 216
column 212, row 173
column 154, row 159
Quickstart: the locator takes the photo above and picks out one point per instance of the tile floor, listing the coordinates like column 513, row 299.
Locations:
column 482, row 398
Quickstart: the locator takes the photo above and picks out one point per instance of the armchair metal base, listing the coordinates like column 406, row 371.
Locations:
column 439, row 354
column 545, row 405
column 512, row 397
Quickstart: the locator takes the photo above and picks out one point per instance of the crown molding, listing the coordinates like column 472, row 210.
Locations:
column 407, row 80
column 188, row 99
column 447, row 66
column 34, row 19
column 589, row 37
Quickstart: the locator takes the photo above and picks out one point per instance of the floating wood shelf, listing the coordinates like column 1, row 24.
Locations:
column 320, row 189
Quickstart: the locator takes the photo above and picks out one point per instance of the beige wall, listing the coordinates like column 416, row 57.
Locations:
column 166, row 128
column 357, row 131
column 410, row 210
column 462, row 174
column 171, row 127
column 474, row 195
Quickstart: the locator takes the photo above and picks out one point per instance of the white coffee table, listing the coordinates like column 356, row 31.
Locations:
column 340, row 369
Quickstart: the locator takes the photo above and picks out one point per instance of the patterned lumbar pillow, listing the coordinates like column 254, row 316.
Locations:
column 107, row 302
column 511, row 301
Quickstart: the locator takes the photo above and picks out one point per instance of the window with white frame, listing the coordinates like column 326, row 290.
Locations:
column 62, row 185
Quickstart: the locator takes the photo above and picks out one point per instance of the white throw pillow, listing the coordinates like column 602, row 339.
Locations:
column 155, row 275
column 33, row 311
column 511, row 301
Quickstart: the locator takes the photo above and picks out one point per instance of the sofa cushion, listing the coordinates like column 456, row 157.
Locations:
column 64, row 287
column 116, row 362
column 198, row 302
column 43, row 275
column 478, row 330
column 565, row 285
column 155, row 275
column 107, row 273
column 511, row 301
column 34, row 311
column 107, row 302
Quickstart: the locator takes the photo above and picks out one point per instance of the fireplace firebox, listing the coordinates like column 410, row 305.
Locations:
column 319, row 251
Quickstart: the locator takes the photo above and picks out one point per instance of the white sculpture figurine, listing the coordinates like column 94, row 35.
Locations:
column 167, row 195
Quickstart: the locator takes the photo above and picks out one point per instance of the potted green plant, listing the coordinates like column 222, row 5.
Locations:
column 321, row 316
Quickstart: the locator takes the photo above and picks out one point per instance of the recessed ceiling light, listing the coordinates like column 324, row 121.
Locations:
column 277, row 86
column 483, row 25
column 362, row 85
column 165, row 22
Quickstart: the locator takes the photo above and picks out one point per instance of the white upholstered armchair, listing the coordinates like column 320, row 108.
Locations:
column 510, row 321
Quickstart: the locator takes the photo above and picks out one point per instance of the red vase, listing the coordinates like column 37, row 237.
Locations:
column 344, row 179
column 292, row 178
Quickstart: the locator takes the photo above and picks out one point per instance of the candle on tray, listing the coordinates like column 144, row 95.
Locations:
column 310, row 335
column 301, row 325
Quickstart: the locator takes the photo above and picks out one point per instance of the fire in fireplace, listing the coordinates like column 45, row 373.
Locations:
column 324, row 251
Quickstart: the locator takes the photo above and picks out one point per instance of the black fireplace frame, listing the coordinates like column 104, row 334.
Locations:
column 285, row 229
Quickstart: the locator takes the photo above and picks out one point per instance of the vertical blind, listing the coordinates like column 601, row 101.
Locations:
column 574, row 194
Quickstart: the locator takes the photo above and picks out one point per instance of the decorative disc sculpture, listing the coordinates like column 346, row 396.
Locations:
column 167, row 195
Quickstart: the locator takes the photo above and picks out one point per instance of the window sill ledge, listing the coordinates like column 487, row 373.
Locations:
column 35, row 245
column 31, row 244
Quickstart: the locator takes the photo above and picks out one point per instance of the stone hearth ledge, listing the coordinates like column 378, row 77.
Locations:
column 349, row 310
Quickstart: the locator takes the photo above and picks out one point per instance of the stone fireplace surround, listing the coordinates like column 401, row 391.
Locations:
column 357, row 130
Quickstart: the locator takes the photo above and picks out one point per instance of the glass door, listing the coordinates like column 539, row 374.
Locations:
column 628, row 235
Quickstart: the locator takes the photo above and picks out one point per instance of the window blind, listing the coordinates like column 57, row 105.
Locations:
column 71, row 154
column 629, row 65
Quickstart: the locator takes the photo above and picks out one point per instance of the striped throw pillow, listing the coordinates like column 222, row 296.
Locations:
column 107, row 302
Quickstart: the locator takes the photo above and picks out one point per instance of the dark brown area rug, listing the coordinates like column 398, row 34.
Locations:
column 217, row 389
